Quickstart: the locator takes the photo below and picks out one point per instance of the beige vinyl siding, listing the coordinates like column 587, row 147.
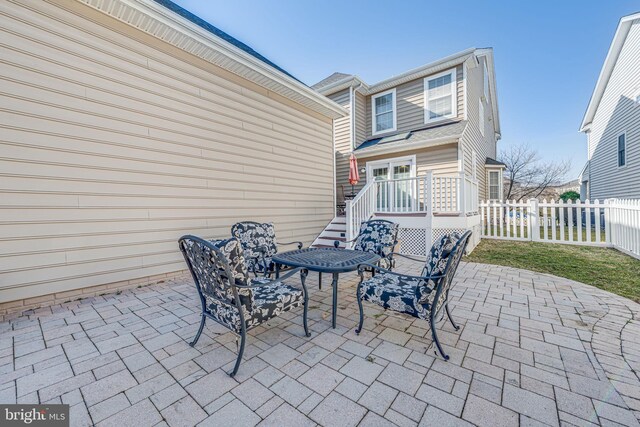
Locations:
column 410, row 104
column 361, row 118
column 472, row 139
column 342, row 137
column 114, row 144
column 616, row 114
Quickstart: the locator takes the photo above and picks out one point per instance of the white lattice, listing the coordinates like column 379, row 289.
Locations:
column 413, row 241
column 439, row 232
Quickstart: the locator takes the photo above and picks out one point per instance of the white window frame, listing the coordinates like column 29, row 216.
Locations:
column 373, row 112
column 500, row 179
column 481, row 117
column 454, row 96
column 623, row 134
column 391, row 162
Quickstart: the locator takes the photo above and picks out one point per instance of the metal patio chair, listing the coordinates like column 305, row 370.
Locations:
column 377, row 236
column 229, row 296
column 259, row 245
column 419, row 296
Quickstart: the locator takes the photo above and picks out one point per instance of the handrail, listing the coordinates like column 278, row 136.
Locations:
column 359, row 209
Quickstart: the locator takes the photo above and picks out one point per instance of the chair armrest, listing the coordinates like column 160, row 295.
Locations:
column 408, row 257
column 336, row 243
column 290, row 243
column 271, row 282
column 361, row 268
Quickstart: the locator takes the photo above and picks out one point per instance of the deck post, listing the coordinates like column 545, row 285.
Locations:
column 534, row 221
column 462, row 196
column 348, row 220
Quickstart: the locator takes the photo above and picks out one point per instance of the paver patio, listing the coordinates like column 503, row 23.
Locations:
column 532, row 350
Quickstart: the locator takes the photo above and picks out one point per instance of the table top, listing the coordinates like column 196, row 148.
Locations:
column 329, row 260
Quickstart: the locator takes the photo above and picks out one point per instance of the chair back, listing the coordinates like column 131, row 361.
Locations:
column 378, row 236
column 253, row 235
column 217, row 266
column 443, row 261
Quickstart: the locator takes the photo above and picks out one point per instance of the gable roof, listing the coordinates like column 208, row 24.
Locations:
column 178, row 27
column 331, row 79
column 335, row 83
column 607, row 69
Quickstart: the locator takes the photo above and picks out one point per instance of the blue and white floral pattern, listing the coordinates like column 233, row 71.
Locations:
column 258, row 242
column 379, row 237
column 259, row 303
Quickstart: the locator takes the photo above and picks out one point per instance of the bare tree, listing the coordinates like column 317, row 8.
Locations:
column 527, row 175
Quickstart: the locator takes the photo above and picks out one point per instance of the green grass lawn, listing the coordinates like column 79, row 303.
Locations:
column 604, row 268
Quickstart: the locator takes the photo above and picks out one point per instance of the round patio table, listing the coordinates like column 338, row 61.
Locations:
column 325, row 260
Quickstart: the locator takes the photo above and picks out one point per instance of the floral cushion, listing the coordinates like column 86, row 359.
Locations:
column 232, row 251
column 377, row 236
column 435, row 265
column 258, row 242
column 395, row 292
column 269, row 301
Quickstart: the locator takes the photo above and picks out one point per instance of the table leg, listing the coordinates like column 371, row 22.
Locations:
column 334, row 284
column 320, row 281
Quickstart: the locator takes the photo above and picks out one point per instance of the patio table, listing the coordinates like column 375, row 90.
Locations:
column 325, row 260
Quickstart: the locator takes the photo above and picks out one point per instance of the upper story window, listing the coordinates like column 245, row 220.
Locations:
column 440, row 96
column 481, row 116
column 622, row 150
column 383, row 112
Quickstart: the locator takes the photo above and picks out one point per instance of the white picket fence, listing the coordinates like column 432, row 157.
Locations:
column 609, row 223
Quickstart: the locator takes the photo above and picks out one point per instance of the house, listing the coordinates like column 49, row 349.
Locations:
column 128, row 123
column 438, row 122
column 612, row 120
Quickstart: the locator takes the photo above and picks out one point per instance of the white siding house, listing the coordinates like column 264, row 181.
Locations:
column 612, row 120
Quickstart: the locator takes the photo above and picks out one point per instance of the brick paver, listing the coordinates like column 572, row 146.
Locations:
column 532, row 349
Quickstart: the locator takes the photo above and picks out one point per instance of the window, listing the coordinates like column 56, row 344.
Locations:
column 383, row 112
column 481, row 116
column 439, row 96
column 494, row 185
column 622, row 150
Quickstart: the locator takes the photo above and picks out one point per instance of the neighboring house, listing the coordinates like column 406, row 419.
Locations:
column 128, row 123
column 439, row 120
column 612, row 120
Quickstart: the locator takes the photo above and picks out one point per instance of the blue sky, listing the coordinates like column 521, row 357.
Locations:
column 548, row 54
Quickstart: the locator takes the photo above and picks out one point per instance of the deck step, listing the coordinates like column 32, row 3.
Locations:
column 335, row 230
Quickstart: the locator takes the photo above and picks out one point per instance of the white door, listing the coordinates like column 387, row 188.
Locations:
column 395, row 193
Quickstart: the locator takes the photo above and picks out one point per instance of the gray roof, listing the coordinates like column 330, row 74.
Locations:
column 218, row 32
column 331, row 79
column 419, row 136
column 493, row 162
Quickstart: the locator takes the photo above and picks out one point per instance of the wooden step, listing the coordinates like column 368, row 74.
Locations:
column 333, row 239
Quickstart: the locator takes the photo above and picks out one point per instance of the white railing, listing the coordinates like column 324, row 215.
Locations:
column 359, row 210
column 614, row 223
column 439, row 194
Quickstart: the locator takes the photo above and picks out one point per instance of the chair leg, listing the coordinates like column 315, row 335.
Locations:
column 446, row 307
column 303, row 278
column 361, row 312
column 195, row 340
column 437, row 341
column 320, row 281
column 243, row 337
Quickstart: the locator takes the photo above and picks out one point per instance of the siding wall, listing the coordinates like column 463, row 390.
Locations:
column 486, row 145
column 342, row 136
column 617, row 113
column 410, row 105
column 113, row 144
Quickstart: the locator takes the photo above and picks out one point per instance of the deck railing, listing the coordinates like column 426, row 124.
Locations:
column 429, row 194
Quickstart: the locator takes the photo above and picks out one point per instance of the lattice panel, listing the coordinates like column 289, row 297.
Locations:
column 439, row 232
column 413, row 241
